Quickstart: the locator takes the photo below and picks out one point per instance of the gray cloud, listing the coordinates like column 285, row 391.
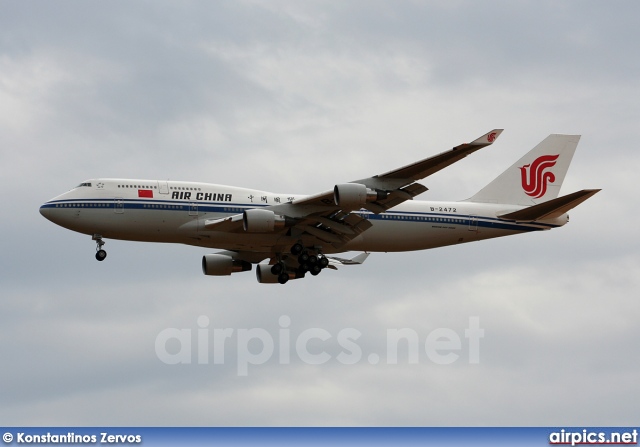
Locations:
column 294, row 97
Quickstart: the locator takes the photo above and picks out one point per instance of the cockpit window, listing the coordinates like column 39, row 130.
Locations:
column 84, row 184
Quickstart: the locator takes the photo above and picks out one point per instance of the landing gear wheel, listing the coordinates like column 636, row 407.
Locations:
column 276, row 269
column 323, row 262
column 303, row 258
column 100, row 253
column 297, row 249
column 283, row 278
column 315, row 269
column 313, row 259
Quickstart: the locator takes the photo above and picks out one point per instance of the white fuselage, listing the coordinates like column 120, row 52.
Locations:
column 175, row 212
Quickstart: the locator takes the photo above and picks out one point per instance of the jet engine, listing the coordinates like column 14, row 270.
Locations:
column 262, row 221
column 221, row 265
column 265, row 276
column 355, row 195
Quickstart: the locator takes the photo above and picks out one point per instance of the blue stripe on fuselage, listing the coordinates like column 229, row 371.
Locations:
column 234, row 208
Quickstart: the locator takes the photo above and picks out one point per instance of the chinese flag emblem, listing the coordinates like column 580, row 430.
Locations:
column 145, row 193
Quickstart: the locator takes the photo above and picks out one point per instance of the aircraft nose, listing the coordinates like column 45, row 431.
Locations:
column 46, row 211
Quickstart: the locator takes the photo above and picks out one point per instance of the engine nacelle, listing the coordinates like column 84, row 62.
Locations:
column 355, row 195
column 264, row 275
column 262, row 221
column 222, row 265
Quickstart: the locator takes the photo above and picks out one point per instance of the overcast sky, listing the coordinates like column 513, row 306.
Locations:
column 292, row 96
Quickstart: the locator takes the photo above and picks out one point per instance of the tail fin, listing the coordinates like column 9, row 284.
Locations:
column 536, row 177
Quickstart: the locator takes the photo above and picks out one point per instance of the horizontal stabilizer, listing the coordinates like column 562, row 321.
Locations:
column 357, row 260
column 552, row 208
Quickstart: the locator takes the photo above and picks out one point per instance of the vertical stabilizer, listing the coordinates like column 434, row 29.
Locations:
column 536, row 177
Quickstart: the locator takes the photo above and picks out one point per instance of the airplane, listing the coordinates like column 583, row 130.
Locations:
column 296, row 233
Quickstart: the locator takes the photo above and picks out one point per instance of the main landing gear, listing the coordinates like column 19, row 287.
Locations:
column 307, row 262
column 100, row 253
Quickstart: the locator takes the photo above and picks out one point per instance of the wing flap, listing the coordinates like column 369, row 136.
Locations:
column 396, row 197
column 336, row 228
column 324, row 235
column 334, row 225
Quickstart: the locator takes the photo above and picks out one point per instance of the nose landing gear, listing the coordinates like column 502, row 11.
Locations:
column 100, row 253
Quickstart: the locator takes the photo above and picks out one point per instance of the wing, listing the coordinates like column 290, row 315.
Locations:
column 328, row 217
column 407, row 175
column 399, row 185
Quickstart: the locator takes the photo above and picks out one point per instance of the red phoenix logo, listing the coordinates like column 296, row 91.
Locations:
column 536, row 176
column 492, row 137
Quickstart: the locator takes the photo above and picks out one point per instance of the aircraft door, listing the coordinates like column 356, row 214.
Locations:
column 118, row 205
column 473, row 223
column 163, row 187
column 194, row 214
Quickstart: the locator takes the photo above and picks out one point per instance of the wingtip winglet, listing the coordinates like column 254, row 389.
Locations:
column 489, row 138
